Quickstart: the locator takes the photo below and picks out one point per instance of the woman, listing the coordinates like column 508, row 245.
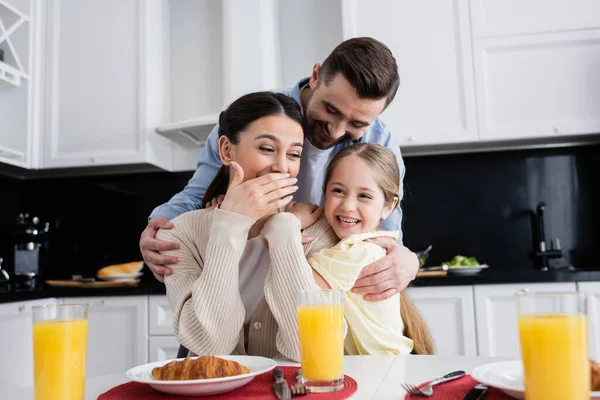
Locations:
column 216, row 291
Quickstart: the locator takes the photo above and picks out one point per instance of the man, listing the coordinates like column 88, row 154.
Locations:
column 341, row 102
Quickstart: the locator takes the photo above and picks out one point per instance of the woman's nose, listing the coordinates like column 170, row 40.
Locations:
column 280, row 165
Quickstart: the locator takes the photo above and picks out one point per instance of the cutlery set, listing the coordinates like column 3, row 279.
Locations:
column 476, row 393
column 281, row 388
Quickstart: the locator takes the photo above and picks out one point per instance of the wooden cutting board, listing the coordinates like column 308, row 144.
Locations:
column 423, row 274
column 93, row 285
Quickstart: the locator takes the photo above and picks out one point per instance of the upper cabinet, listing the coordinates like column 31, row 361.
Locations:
column 106, row 83
column 19, row 81
column 492, row 18
column 117, row 82
column 432, row 46
column 537, row 68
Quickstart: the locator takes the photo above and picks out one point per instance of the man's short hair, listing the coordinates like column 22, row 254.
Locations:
column 367, row 64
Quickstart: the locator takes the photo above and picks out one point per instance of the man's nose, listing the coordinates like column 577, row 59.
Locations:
column 336, row 130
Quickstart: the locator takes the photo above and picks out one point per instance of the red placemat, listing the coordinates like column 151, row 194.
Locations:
column 457, row 389
column 261, row 387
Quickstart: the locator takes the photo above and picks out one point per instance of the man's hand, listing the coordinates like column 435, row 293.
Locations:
column 150, row 247
column 389, row 275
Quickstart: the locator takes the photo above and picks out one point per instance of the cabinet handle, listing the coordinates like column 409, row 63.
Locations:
column 556, row 129
column 103, row 302
column 92, row 159
column 412, row 139
column 21, row 308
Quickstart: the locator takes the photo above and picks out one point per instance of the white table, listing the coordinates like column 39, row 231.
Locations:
column 378, row 377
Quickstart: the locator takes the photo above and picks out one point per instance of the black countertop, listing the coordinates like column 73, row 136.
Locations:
column 45, row 291
column 486, row 277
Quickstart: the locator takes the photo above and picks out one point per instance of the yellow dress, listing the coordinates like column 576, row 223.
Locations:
column 373, row 327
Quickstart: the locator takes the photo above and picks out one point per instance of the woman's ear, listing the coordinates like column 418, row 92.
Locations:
column 388, row 208
column 225, row 150
column 314, row 76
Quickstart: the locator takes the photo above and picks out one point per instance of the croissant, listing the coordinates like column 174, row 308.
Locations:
column 204, row 367
column 595, row 373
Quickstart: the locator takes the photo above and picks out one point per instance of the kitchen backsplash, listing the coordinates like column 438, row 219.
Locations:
column 470, row 204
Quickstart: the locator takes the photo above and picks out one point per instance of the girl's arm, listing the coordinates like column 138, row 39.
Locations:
column 203, row 291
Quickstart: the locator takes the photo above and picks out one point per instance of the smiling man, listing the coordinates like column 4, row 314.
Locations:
column 341, row 101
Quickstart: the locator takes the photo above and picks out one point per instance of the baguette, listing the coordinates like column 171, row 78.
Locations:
column 117, row 269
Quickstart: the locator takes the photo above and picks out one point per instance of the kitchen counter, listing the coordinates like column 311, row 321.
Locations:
column 45, row 291
column 490, row 277
column 153, row 287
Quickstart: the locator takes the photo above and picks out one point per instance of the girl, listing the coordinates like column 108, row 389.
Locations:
column 361, row 189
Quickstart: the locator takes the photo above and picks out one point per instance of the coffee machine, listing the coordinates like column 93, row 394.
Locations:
column 31, row 249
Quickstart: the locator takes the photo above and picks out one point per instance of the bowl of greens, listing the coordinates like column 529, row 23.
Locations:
column 461, row 265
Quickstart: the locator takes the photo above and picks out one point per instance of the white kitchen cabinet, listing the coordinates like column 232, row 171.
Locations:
column 538, row 85
column 16, row 359
column 432, row 46
column 162, row 348
column 161, row 316
column 117, row 333
column 449, row 314
column 516, row 17
column 496, row 316
column 593, row 291
column 20, row 83
column 107, row 83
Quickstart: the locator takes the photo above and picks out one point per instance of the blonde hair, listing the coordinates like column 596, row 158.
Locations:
column 383, row 163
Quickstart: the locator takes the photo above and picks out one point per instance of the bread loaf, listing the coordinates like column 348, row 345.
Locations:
column 118, row 269
column 204, row 367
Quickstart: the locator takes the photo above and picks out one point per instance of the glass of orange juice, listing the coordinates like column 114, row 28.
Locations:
column 59, row 350
column 321, row 331
column 553, row 331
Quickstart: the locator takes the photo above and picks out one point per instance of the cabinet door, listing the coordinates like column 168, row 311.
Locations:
column 593, row 291
column 19, row 81
column 102, row 98
column 117, row 333
column 161, row 316
column 538, row 85
column 449, row 314
column 496, row 316
column 162, row 348
column 435, row 102
column 16, row 361
column 515, row 17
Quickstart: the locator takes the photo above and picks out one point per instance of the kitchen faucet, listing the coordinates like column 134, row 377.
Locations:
column 540, row 251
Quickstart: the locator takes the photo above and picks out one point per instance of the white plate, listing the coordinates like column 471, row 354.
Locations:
column 466, row 270
column 508, row 377
column 120, row 277
column 203, row 387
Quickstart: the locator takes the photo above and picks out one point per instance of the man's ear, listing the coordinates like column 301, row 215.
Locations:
column 225, row 150
column 388, row 208
column 314, row 76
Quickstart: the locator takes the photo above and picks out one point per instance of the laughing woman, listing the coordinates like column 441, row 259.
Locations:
column 221, row 289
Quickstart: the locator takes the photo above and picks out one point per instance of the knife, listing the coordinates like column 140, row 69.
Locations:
column 280, row 387
column 477, row 392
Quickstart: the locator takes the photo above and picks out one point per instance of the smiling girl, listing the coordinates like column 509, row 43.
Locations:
column 361, row 189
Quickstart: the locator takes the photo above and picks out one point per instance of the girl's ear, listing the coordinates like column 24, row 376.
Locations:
column 225, row 150
column 388, row 208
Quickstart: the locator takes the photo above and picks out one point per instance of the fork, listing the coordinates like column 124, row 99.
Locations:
column 298, row 389
column 427, row 390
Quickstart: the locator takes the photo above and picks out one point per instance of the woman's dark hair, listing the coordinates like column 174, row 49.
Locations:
column 238, row 116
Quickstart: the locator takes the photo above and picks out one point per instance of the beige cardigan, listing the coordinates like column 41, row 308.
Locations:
column 203, row 291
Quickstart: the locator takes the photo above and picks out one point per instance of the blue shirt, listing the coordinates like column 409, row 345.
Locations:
column 310, row 178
